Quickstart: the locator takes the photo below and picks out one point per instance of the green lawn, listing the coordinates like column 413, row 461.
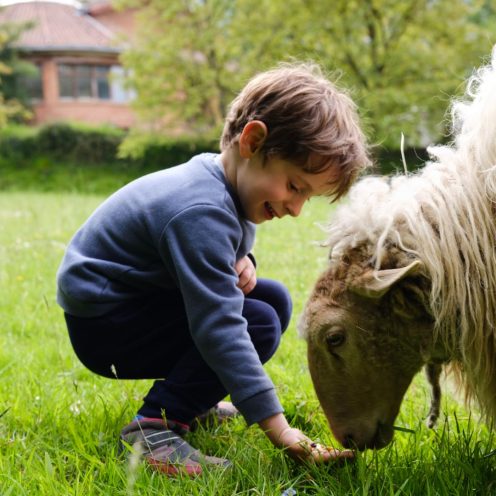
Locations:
column 60, row 423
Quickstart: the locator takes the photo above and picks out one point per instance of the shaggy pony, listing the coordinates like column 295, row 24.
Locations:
column 443, row 216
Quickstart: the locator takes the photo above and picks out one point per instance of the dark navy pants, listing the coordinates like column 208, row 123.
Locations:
column 149, row 339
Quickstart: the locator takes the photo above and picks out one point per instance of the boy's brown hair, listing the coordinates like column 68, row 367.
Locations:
column 310, row 122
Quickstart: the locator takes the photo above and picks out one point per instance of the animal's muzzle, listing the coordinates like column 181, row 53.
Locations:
column 380, row 438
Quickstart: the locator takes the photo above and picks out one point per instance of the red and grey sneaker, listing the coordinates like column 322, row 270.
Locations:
column 165, row 450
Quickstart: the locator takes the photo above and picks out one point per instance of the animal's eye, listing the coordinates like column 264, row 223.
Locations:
column 335, row 339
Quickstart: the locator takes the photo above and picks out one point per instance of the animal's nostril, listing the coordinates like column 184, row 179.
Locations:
column 383, row 436
column 348, row 441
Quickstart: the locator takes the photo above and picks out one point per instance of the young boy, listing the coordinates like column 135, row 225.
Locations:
column 159, row 283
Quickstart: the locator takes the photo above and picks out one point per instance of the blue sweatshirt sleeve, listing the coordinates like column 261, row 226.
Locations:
column 200, row 248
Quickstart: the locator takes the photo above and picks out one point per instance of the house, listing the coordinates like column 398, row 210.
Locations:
column 76, row 52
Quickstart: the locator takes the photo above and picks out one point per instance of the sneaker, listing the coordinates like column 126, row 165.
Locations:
column 221, row 412
column 165, row 450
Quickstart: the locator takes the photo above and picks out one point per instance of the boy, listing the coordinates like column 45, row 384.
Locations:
column 159, row 282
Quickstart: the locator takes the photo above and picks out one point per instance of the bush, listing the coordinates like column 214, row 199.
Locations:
column 99, row 159
column 87, row 159
column 79, row 144
column 60, row 142
column 163, row 152
column 391, row 161
column 17, row 143
column 85, row 145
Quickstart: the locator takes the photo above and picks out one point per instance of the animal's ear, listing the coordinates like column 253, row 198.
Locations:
column 375, row 284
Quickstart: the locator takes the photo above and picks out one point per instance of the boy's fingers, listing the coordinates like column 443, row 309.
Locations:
column 243, row 264
column 247, row 280
column 249, row 287
column 321, row 453
column 241, row 269
column 341, row 454
column 244, row 276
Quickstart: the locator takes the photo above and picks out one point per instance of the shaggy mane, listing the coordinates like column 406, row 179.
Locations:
column 444, row 215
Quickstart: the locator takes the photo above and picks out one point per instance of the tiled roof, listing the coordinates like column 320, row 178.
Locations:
column 58, row 27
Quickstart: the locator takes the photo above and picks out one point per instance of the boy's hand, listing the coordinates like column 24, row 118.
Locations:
column 247, row 274
column 301, row 448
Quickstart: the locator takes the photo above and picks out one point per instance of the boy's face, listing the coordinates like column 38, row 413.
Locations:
column 276, row 188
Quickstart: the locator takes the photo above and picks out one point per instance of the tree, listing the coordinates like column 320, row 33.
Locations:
column 11, row 106
column 405, row 58
column 401, row 58
column 192, row 56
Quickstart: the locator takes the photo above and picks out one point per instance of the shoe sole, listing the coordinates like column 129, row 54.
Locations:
column 174, row 470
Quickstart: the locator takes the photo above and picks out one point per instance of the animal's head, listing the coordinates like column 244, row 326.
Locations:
column 368, row 334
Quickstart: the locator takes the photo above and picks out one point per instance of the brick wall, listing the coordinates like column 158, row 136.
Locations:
column 92, row 111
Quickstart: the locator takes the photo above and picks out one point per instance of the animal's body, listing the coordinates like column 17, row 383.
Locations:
column 411, row 282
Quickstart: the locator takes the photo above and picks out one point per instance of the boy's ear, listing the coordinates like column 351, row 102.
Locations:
column 252, row 137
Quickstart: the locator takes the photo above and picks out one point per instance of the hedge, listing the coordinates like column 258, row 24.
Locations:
column 84, row 145
column 391, row 161
column 93, row 146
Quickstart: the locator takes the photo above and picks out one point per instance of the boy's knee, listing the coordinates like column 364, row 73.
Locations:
column 285, row 307
column 277, row 296
column 267, row 344
column 265, row 331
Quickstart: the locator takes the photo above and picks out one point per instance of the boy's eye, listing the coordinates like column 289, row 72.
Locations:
column 292, row 187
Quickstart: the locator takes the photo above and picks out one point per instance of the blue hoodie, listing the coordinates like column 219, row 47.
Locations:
column 181, row 228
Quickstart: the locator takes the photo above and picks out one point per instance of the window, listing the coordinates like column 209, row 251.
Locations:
column 30, row 85
column 102, row 82
column 120, row 91
column 84, row 81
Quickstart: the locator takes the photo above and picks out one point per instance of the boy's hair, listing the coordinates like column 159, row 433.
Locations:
column 310, row 122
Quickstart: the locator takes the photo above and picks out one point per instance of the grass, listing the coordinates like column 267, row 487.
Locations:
column 59, row 422
column 43, row 174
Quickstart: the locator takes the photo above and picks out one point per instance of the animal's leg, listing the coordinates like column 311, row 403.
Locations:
column 433, row 373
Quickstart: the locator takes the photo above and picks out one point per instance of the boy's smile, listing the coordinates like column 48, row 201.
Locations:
column 271, row 213
column 275, row 188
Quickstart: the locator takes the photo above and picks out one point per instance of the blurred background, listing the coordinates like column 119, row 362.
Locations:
column 146, row 83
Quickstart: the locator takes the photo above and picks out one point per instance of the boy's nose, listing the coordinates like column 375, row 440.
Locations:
column 294, row 205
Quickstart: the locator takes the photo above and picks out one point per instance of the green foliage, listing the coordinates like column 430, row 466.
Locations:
column 80, row 144
column 188, row 73
column 63, row 157
column 390, row 162
column 72, row 143
column 162, row 150
column 12, row 104
column 401, row 59
column 406, row 59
